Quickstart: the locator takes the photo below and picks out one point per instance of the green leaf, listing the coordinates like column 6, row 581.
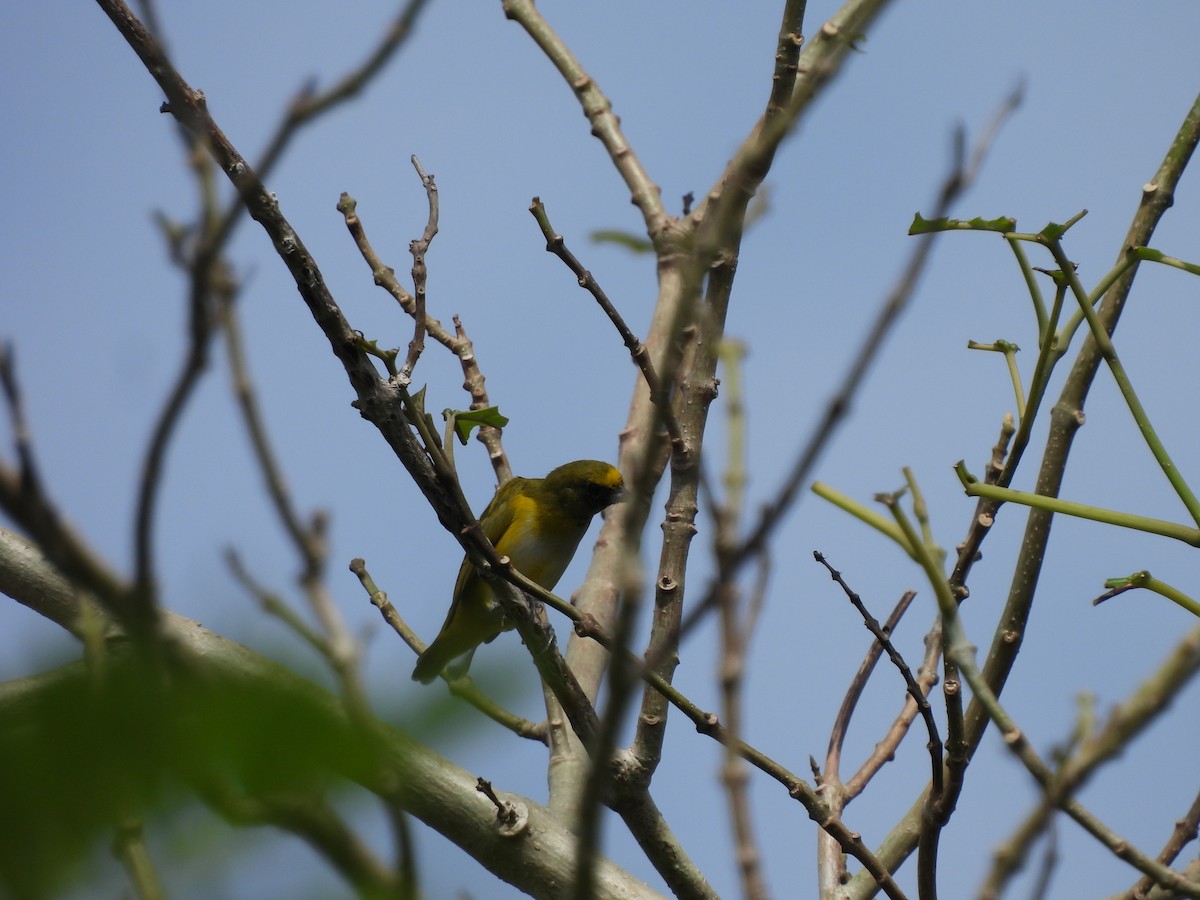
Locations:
column 466, row 421
column 416, row 400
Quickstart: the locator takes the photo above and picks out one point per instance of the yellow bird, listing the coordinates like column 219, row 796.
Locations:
column 538, row 524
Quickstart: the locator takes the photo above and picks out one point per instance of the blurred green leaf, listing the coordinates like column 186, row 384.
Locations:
column 635, row 243
column 78, row 755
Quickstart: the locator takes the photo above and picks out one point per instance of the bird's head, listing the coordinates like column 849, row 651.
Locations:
column 584, row 487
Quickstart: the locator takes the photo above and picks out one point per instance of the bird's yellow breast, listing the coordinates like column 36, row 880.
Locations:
column 539, row 543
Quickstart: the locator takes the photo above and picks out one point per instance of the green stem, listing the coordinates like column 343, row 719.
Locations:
column 925, row 559
column 921, row 511
column 1110, row 277
column 1109, row 352
column 1146, row 253
column 1009, row 349
column 1010, row 357
column 1045, row 328
column 976, row 488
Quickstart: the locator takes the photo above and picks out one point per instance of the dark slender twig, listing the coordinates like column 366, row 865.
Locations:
column 858, row 684
column 143, row 597
column 883, row 751
column 914, row 689
column 831, row 861
column 556, row 244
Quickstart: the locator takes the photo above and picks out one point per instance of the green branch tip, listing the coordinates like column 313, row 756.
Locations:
column 967, row 479
column 1146, row 581
column 1060, row 278
column 997, row 346
column 975, row 488
column 868, row 516
column 1151, row 255
column 1054, row 231
column 371, row 348
column 921, row 225
column 1137, row 579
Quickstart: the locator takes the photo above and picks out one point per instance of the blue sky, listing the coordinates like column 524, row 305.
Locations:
column 97, row 315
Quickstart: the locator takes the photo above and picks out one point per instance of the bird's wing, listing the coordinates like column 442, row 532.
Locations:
column 495, row 520
column 499, row 513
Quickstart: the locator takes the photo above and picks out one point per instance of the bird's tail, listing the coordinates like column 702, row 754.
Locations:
column 438, row 657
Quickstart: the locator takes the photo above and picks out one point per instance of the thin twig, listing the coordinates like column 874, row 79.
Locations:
column 129, row 847
column 710, row 724
column 314, row 820
column 143, row 597
column 960, row 178
column 273, row 605
column 462, row 686
column 457, row 343
column 308, row 105
column 914, row 688
column 24, row 498
column 737, row 624
column 420, row 273
column 831, row 859
column 1096, row 748
column 1041, row 886
column 884, row 750
column 337, row 645
column 556, row 244
column 858, row 684
column 1182, row 834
